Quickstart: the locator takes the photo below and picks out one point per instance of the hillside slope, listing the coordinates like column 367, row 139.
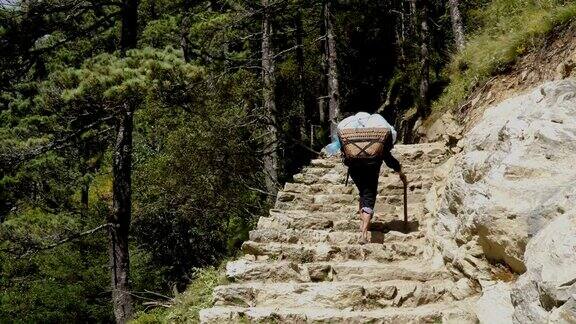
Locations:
column 553, row 59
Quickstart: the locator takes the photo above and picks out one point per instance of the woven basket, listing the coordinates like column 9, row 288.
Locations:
column 363, row 143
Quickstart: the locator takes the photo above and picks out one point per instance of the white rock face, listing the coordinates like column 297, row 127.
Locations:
column 444, row 128
column 494, row 306
column 549, row 284
column 508, row 196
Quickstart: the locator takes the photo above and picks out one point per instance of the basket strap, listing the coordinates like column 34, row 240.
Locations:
column 363, row 149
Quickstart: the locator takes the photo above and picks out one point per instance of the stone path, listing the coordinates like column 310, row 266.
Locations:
column 303, row 262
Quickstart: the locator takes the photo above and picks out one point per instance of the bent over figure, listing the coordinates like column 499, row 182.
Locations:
column 365, row 175
column 366, row 141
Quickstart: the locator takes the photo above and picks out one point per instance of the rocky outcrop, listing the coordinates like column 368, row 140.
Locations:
column 508, row 198
column 445, row 128
column 549, row 284
column 566, row 68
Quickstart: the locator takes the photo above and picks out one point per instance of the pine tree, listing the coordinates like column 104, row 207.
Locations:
column 424, row 96
column 269, row 81
column 332, row 62
column 457, row 26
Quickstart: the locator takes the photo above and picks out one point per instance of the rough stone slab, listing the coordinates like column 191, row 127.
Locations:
column 432, row 313
column 326, row 252
column 351, row 270
column 307, row 236
column 358, row 295
column 494, row 306
column 341, row 221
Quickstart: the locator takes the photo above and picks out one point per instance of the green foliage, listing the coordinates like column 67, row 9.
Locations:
column 160, row 33
column 193, row 203
column 506, row 30
column 63, row 285
column 108, row 81
column 186, row 306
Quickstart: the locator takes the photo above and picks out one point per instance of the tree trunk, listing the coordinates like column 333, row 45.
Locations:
column 424, row 102
column 129, row 33
column 457, row 26
column 323, row 88
column 302, row 111
column 184, row 28
column 85, row 194
column 153, row 13
column 413, row 17
column 85, row 190
column 268, row 77
column 400, row 34
column 120, row 217
column 333, row 91
column 118, row 247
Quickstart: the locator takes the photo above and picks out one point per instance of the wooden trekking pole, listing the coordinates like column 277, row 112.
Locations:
column 405, row 206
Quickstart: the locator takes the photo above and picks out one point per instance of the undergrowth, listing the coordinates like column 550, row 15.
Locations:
column 506, row 30
column 185, row 307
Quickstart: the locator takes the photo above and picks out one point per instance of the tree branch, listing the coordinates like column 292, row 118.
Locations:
column 66, row 240
column 60, row 143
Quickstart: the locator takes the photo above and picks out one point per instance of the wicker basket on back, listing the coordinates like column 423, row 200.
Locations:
column 364, row 144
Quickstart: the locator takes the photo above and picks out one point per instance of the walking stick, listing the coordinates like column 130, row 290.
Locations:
column 405, row 206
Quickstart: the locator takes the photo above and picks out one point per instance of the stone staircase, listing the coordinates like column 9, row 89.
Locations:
column 303, row 262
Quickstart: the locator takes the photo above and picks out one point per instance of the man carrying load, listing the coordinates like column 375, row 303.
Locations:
column 366, row 141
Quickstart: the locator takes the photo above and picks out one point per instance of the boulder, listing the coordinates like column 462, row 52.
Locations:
column 549, row 284
column 494, row 306
column 565, row 313
column 446, row 128
column 514, row 175
column 507, row 198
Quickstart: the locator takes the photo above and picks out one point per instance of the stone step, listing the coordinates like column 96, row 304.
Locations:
column 340, row 169
column 355, row 295
column 421, row 182
column 405, row 159
column 410, row 152
column 382, row 208
column 335, row 202
column 447, row 312
column 291, row 187
column 415, row 192
column 380, row 226
column 331, row 252
column 307, row 236
column 341, row 221
column 407, row 163
column 338, row 176
column 244, row 270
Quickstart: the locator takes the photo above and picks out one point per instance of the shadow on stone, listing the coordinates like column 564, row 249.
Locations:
column 393, row 225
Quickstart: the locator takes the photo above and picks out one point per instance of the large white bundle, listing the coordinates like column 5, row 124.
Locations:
column 365, row 120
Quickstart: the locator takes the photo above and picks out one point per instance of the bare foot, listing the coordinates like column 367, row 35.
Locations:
column 364, row 226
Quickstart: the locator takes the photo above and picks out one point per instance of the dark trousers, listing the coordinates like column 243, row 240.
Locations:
column 366, row 179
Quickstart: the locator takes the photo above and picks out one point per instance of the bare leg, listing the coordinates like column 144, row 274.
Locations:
column 364, row 226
